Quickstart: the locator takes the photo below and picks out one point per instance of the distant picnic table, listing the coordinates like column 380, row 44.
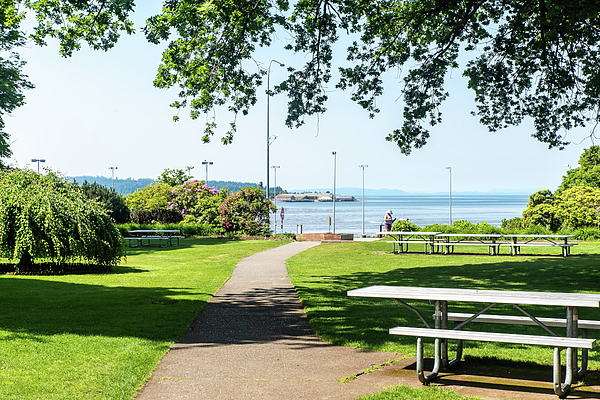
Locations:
column 437, row 242
column 170, row 237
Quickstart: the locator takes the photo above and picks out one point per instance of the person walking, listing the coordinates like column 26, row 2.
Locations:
column 388, row 220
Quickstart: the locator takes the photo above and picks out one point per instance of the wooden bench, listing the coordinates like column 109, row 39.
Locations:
column 583, row 324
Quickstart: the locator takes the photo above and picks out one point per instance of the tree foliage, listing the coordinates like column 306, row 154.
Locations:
column 172, row 177
column 535, row 59
column 43, row 217
column 588, row 172
column 576, row 202
column 109, row 199
column 523, row 58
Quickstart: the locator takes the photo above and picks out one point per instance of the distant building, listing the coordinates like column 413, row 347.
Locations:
column 285, row 197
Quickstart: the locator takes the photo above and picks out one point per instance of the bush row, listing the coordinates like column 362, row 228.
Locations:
column 512, row 226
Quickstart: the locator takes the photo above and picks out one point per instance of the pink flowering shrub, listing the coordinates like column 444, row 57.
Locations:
column 247, row 212
column 194, row 198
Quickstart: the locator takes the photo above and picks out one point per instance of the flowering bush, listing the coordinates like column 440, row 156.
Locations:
column 195, row 198
column 246, row 211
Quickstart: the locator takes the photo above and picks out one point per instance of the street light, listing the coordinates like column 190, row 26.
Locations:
column 450, row 170
column 363, row 198
column 334, row 165
column 206, row 163
column 38, row 161
column 275, row 197
column 113, row 175
column 188, row 169
column 268, row 137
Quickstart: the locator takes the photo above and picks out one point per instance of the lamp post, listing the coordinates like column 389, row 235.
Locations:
column 206, row 163
column 38, row 161
column 275, row 167
column 268, row 137
column 188, row 169
column 334, row 166
column 450, row 191
column 363, row 198
column 113, row 175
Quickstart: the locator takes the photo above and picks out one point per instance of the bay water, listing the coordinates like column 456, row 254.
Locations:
column 421, row 210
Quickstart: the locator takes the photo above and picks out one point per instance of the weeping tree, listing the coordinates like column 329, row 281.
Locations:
column 45, row 219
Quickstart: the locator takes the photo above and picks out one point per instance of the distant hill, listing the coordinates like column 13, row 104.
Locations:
column 126, row 186
column 122, row 186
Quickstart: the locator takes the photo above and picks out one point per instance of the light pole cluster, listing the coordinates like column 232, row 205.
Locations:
column 113, row 175
column 206, row 164
column 38, row 161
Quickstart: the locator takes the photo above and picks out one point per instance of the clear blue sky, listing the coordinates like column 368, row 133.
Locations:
column 96, row 110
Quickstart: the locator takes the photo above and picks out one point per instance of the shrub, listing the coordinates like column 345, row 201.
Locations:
column 47, row 218
column 405, row 226
column 484, row 227
column 246, row 212
column 463, row 227
column 437, row 228
column 537, row 230
column 587, row 234
column 513, row 224
column 194, row 198
column 150, row 204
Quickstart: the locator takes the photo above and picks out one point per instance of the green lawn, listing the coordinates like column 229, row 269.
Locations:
column 99, row 336
column 323, row 274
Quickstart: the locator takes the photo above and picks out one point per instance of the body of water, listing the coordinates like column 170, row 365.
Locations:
column 421, row 210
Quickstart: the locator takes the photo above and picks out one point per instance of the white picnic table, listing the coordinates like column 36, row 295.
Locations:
column 404, row 238
column 493, row 241
column 167, row 235
column 440, row 331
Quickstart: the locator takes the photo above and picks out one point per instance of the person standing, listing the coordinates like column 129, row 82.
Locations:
column 388, row 220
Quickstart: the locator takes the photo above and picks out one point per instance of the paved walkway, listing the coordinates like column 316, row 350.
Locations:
column 253, row 341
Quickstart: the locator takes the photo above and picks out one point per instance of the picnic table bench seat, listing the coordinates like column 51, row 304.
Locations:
column 521, row 320
column 553, row 341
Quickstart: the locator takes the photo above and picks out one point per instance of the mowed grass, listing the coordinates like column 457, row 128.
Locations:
column 323, row 274
column 100, row 336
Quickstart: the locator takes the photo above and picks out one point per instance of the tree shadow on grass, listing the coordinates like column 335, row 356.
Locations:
column 43, row 307
column 342, row 319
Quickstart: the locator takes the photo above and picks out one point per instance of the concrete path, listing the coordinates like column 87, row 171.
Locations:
column 252, row 340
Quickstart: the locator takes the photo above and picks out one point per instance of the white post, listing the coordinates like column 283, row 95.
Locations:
column 363, row 198
column 275, row 198
column 450, row 190
column 334, row 167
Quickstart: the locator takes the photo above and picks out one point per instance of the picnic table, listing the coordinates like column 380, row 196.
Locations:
column 441, row 333
column 449, row 240
column 404, row 238
column 518, row 241
column 138, row 236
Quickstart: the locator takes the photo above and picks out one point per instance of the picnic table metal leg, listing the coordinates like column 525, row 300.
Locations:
column 561, row 389
column 426, row 379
